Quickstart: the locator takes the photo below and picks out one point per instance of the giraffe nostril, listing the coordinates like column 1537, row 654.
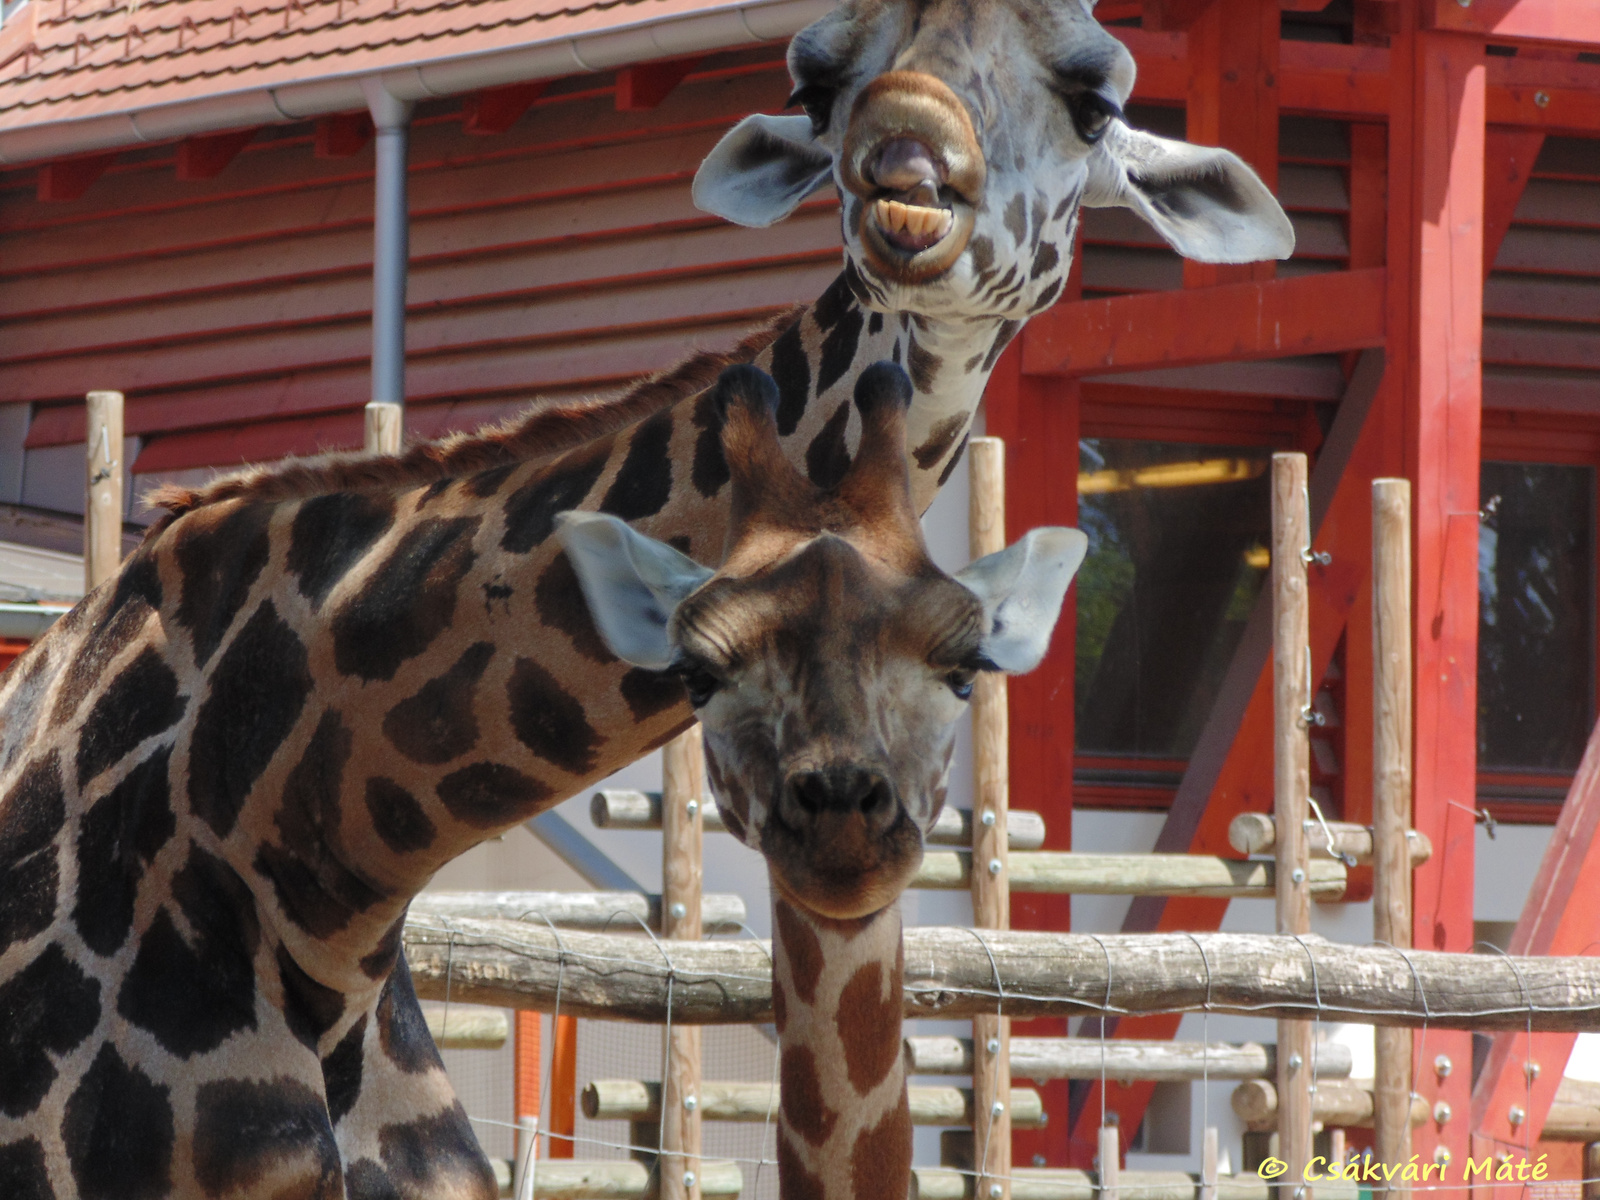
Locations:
column 838, row 791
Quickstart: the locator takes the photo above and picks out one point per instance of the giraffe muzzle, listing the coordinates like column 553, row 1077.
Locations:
column 912, row 155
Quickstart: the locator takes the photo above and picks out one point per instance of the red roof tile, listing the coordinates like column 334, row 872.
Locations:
column 82, row 75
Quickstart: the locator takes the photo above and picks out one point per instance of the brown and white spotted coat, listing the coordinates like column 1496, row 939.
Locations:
column 223, row 776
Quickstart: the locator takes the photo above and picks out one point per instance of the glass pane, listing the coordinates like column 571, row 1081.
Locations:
column 1536, row 609
column 1178, row 537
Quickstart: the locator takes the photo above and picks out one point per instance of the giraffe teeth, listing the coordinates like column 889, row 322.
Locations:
column 915, row 220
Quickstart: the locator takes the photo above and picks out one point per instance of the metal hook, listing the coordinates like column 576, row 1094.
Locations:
column 1309, row 716
column 104, row 472
column 1308, row 556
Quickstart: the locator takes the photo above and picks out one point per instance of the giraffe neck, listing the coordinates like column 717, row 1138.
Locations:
column 844, row 1125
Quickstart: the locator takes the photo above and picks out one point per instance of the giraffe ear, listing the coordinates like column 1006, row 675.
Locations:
column 1206, row 202
column 633, row 584
column 761, row 170
column 1022, row 588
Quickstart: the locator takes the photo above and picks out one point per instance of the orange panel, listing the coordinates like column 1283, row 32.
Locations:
column 1534, row 20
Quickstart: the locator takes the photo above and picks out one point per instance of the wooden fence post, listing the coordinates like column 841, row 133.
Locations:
column 384, row 424
column 683, row 792
column 1292, row 684
column 102, row 510
column 991, row 884
column 1391, row 801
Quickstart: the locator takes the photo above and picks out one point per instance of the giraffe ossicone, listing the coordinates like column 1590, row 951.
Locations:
column 225, row 774
column 829, row 661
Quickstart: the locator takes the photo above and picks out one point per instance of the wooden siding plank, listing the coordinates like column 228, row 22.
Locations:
column 1312, row 315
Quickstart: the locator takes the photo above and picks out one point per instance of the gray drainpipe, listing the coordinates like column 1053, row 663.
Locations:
column 390, row 255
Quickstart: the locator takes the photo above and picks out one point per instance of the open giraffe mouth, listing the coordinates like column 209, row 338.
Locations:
column 915, row 225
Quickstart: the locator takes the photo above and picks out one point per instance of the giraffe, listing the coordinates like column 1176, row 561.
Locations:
column 226, row 772
column 828, row 660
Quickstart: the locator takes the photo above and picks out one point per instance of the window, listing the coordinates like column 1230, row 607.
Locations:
column 1536, row 616
column 1178, row 538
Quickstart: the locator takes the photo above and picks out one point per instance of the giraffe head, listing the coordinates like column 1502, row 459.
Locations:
column 828, row 658
column 962, row 136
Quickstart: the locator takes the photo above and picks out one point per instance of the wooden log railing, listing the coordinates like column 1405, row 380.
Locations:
column 1343, row 1102
column 617, row 912
column 950, row 973
column 615, row 808
column 640, row 1100
column 1069, row 872
column 1122, row 1059
column 1257, row 833
column 1050, row 1183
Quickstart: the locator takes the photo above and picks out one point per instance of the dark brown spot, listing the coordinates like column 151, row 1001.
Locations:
column 650, row 692
column 923, row 366
column 30, row 818
column 780, row 1007
column 1016, row 218
column 791, row 371
column 139, row 703
column 869, row 1026
column 644, row 481
column 1045, row 258
column 46, row 1009
column 487, row 795
column 559, row 600
column 265, row 1137
column 309, row 1007
column 801, row 950
column 402, row 1031
column 341, row 1071
column 438, row 723
column 828, row 456
column 940, row 438
column 117, row 1130
column 331, row 534
column 381, row 960
column 804, row 1108
column 1002, row 339
column 23, row 1174
column 531, row 509
column 798, row 1182
column 955, row 461
column 219, row 560
column 549, row 720
column 117, row 839
column 397, row 817
column 880, row 1161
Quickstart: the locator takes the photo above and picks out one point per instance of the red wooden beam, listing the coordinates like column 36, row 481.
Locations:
column 1508, row 158
column 1436, row 173
column 1230, row 771
column 642, row 86
column 1561, row 916
column 342, row 135
column 1533, row 20
column 1313, row 314
column 496, row 110
column 72, row 177
column 206, row 156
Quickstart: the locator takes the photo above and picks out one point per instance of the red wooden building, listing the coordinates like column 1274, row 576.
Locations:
column 186, row 214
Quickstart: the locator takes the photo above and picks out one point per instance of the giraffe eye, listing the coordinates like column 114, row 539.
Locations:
column 960, row 682
column 700, row 683
column 1092, row 114
column 817, row 101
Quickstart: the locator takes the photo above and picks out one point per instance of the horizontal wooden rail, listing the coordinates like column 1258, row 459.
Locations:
column 619, row 809
column 1312, row 314
column 1256, row 833
column 1059, row 1183
column 1343, row 1103
column 469, row 1026
column 603, row 911
column 957, row 972
column 569, row 1179
column 1575, row 21
column 640, row 1100
column 1070, row 873
column 1121, row 1059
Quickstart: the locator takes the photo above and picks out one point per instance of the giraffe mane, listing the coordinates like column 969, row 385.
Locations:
column 543, row 429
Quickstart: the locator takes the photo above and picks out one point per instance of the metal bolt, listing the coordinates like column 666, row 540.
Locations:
column 1441, row 1155
column 1441, row 1112
column 996, row 1191
column 1531, row 1070
column 1442, row 1066
column 992, row 1045
column 1039, row 1160
column 997, row 1109
column 1542, row 99
column 1516, row 1115
column 988, row 818
column 678, row 911
column 1295, row 1062
column 1464, row 3
column 690, row 1103
column 994, row 866
column 688, row 1179
column 1297, row 875
column 693, row 807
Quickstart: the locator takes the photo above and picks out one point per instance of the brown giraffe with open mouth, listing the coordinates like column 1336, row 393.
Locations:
column 224, row 775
